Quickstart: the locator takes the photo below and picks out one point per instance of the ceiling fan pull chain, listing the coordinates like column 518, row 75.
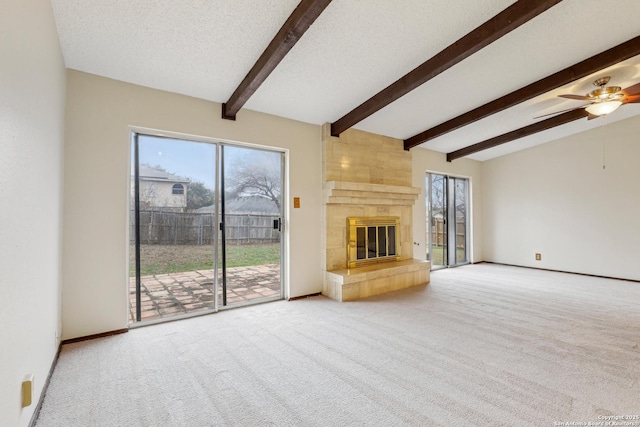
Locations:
column 604, row 141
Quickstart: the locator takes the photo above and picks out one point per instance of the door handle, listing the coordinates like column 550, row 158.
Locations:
column 277, row 224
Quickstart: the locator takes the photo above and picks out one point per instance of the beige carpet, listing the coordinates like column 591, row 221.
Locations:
column 483, row 345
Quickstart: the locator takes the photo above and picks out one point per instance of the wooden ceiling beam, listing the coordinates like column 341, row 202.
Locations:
column 296, row 25
column 552, row 122
column 509, row 19
column 582, row 69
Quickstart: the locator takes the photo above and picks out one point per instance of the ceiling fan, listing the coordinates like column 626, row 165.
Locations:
column 603, row 100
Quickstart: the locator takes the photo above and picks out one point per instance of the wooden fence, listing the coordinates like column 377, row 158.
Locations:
column 178, row 228
column 439, row 233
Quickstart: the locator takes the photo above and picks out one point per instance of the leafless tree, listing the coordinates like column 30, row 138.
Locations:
column 257, row 176
column 198, row 196
column 439, row 193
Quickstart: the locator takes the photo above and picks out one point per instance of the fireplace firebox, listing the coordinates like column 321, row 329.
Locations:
column 372, row 240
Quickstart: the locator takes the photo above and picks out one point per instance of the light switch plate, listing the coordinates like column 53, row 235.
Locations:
column 27, row 390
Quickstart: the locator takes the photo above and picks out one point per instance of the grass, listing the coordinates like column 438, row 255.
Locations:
column 437, row 255
column 159, row 259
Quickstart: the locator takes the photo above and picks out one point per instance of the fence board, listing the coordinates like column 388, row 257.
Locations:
column 439, row 233
column 180, row 228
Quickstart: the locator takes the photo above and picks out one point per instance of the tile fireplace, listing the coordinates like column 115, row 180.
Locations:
column 368, row 203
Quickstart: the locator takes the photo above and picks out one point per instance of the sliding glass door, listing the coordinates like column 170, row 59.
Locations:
column 206, row 221
column 447, row 220
column 459, row 219
column 251, row 212
column 437, row 208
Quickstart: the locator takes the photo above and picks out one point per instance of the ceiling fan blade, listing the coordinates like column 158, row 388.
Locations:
column 632, row 90
column 578, row 97
column 635, row 99
column 592, row 116
column 561, row 111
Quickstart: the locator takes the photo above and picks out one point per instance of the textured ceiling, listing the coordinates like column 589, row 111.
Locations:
column 204, row 48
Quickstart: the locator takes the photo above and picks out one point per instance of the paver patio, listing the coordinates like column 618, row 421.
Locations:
column 164, row 295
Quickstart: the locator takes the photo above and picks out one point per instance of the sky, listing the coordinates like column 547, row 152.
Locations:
column 192, row 160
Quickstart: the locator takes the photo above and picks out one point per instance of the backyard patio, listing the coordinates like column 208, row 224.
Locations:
column 164, row 295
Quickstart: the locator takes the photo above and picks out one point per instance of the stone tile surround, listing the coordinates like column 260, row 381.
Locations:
column 336, row 225
column 367, row 175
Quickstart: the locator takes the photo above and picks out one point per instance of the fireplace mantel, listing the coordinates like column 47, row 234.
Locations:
column 358, row 193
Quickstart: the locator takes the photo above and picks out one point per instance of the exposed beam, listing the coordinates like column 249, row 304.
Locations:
column 582, row 69
column 296, row 25
column 509, row 19
column 552, row 122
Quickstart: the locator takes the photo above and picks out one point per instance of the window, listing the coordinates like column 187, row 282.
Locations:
column 178, row 189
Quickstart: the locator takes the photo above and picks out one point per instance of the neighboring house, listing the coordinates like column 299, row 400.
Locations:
column 160, row 189
column 246, row 205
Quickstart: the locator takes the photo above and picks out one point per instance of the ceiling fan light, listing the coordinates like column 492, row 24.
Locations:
column 602, row 108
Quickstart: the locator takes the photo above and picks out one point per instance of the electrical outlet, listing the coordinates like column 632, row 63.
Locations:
column 538, row 257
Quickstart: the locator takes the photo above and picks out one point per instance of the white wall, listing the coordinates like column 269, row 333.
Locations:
column 431, row 161
column 32, row 91
column 99, row 113
column 557, row 200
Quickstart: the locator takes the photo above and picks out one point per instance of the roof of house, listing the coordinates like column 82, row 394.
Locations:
column 246, row 205
column 148, row 173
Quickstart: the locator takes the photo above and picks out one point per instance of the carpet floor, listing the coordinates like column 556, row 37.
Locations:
column 484, row 345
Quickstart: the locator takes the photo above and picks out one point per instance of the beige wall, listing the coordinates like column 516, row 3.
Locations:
column 32, row 91
column 556, row 199
column 431, row 161
column 99, row 113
